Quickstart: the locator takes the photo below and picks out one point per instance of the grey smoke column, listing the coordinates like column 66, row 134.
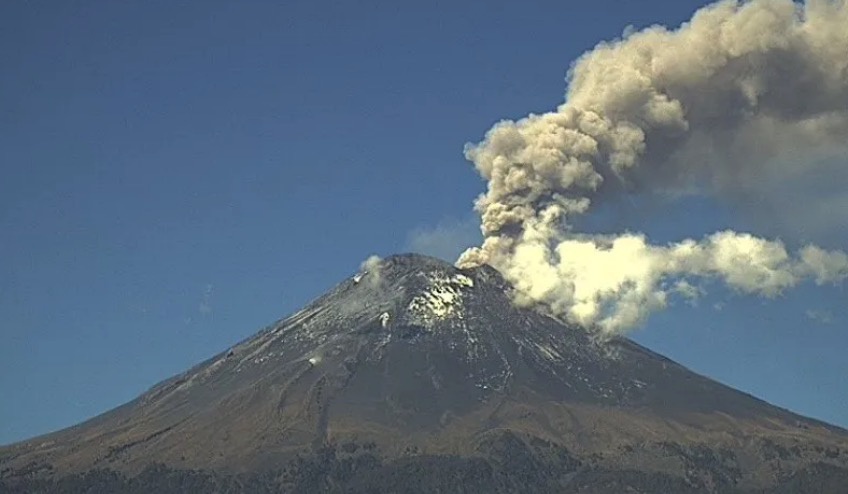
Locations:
column 709, row 108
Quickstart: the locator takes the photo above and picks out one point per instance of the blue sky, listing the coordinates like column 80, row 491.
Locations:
column 176, row 175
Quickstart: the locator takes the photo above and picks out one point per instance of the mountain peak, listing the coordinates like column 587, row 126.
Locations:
column 411, row 291
column 415, row 261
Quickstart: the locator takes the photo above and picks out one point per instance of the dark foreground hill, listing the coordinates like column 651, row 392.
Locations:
column 420, row 377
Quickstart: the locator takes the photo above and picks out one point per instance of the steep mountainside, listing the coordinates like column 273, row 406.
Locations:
column 419, row 377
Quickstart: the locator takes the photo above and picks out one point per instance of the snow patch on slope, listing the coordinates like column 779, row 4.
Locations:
column 442, row 299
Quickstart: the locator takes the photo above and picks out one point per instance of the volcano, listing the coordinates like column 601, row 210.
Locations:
column 417, row 376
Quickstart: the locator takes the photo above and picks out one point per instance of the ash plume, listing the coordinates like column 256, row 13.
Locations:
column 743, row 96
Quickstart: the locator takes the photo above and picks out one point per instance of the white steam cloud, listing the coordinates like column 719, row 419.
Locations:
column 744, row 95
column 370, row 270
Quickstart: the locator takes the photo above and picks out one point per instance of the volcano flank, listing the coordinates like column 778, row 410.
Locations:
column 416, row 376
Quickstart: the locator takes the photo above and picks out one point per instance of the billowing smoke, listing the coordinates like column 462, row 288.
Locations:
column 744, row 95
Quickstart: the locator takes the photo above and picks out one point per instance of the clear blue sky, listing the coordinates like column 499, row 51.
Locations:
column 176, row 175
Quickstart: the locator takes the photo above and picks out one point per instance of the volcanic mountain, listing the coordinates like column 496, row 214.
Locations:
column 416, row 376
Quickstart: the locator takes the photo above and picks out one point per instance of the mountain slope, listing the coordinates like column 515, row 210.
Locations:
column 418, row 376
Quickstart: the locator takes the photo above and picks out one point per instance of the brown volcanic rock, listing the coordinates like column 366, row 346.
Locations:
column 419, row 376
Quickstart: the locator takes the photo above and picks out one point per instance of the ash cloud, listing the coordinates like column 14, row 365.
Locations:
column 745, row 99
